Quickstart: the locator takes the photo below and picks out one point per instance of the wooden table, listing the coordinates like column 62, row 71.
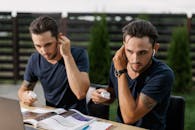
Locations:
column 116, row 125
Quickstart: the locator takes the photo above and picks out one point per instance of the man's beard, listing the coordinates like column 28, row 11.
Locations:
column 54, row 55
column 142, row 69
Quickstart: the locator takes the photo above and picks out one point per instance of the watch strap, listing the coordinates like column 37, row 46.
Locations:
column 118, row 73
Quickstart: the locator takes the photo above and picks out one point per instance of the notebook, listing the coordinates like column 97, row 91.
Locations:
column 11, row 116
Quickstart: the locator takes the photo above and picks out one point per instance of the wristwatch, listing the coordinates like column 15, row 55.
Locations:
column 118, row 73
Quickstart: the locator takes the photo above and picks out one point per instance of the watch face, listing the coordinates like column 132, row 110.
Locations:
column 118, row 73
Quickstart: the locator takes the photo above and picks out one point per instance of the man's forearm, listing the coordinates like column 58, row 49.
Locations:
column 126, row 100
column 78, row 81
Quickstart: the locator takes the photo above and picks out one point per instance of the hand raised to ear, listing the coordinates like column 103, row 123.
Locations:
column 119, row 59
column 64, row 44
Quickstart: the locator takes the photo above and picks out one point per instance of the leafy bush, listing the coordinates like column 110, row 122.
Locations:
column 179, row 60
column 99, row 52
column 143, row 16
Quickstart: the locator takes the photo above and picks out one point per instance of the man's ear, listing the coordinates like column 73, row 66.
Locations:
column 156, row 47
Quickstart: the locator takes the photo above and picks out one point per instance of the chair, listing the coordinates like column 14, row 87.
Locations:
column 175, row 113
column 97, row 110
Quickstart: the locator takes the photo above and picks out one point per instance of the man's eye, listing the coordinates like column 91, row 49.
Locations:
column 142, row 53
column 47, row 45
column 130, row 52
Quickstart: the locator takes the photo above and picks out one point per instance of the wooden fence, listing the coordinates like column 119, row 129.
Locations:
column 79, row 25
column 16, row 45
column 78, row 29
column 6, row 46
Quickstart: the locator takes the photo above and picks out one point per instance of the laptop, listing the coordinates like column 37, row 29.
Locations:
column 11, row 116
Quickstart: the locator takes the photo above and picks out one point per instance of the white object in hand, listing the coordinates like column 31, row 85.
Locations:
column 105, row 95
column 32, row 94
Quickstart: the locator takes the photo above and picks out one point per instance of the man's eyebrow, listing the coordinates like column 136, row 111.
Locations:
column 44, row 44
column 48, row 43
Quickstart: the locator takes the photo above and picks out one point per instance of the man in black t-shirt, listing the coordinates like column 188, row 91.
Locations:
column 61, row 70
column 140, row 82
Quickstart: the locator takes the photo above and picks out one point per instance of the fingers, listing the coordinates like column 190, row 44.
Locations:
column 63, row 39
column 97, row 98
column 64, row 44
column 122, row 48
column 120, row 59
column 28, row 100
column 119, row 53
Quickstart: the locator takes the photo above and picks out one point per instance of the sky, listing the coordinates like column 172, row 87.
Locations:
column 109, row 6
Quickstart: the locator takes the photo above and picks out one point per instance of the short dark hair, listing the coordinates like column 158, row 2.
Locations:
column 43, row 24
column 140, row 28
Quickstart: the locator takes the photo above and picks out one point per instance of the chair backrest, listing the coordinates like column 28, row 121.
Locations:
column 175, row 113
column 97, row 110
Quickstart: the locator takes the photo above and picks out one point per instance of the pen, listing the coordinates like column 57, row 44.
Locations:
column 86, row 127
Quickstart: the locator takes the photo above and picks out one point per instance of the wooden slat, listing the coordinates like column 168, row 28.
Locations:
column 79, row 31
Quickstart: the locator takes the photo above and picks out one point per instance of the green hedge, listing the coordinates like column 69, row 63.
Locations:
column 179, row 59
column 99, row 52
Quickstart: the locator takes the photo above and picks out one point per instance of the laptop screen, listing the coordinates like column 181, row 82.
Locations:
column 10, row 115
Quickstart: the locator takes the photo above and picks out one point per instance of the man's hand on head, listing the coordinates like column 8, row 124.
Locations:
column 64, row 44
column 120, row 59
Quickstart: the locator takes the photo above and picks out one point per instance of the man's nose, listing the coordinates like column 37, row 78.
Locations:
column 135, row 58
column 43, row 50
